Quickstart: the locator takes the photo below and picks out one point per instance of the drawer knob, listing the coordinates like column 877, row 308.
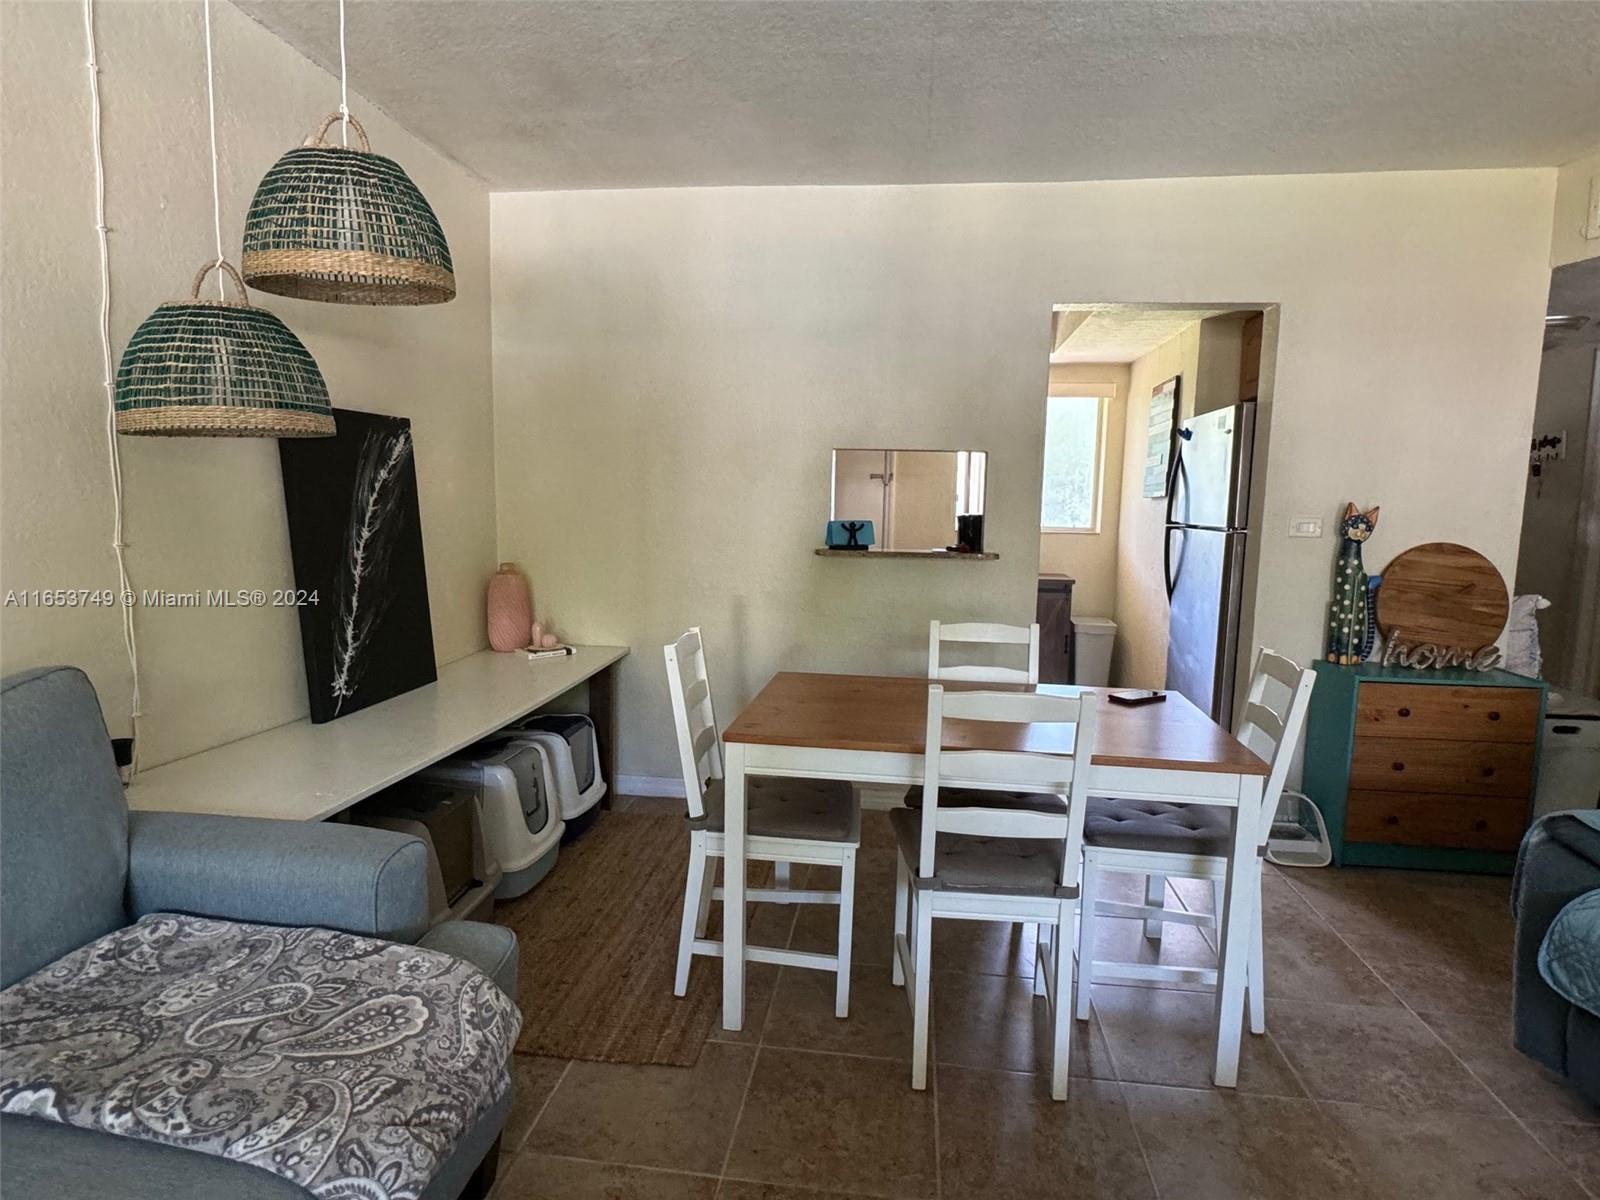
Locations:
column 1480, row 825
column 1494, row 716
column 1399, row 766
column 1405, row 712
column 1488, row 772
column 1391, row 819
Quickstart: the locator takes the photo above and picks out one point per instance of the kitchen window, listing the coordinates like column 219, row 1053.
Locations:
column 1074, row 446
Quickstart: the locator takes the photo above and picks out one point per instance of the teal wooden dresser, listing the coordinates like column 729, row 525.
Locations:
column 1431, row 769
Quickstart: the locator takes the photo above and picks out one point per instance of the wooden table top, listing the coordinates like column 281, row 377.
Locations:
column 889, row 715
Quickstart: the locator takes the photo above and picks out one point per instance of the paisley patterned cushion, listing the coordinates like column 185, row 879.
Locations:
column 347, row 1065
column 1569, row 958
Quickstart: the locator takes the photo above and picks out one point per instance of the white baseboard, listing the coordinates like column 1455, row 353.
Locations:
column 647, row 785
column 873, row 798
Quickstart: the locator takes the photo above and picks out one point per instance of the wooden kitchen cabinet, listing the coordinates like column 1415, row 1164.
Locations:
column 1423, row 768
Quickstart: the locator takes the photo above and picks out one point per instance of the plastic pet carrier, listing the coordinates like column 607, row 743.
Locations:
column 463, row 870
column 575, row 754
column 514, row 782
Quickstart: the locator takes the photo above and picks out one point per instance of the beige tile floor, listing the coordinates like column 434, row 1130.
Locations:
column 1386, row 1071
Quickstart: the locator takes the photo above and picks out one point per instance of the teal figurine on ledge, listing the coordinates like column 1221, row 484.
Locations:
column 1352, row 624
column 849, row 535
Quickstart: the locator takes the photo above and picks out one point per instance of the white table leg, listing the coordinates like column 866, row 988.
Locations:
column 733, row 915
column 1233, row 943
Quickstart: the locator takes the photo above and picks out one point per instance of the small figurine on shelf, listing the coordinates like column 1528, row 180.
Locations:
column 1352, row 625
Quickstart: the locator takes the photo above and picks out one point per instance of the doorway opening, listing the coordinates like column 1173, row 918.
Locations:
column 1152, row 429
column 1558, row 557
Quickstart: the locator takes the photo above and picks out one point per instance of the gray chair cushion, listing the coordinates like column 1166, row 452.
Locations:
column 971, row 863
column 957, row 797
column 64, row 856
column 1151, row 825
column 822, row 810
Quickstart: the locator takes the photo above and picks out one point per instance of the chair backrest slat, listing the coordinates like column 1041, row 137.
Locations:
column 1271, row 725
column 1062, row 775
column 704, row 743
column 693, row 716
column 983, row 633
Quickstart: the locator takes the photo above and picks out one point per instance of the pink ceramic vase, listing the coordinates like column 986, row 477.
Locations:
column 510, row 608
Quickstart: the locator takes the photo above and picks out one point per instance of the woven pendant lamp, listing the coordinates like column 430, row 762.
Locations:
column 337, row 223
column 210, row 368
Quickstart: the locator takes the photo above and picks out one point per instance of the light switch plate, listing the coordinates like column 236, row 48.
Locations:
column 1306, row 527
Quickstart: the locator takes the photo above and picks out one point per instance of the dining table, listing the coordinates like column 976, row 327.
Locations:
column 871, row 729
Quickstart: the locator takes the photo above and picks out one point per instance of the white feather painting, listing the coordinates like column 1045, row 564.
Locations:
column 356, row 539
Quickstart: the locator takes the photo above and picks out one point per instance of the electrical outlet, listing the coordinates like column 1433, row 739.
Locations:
column 1306, row 527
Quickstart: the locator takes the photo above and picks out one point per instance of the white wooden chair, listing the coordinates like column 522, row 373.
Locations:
column 1191, row 842
column 993, row 864
column 788, row 821
column 980, row 633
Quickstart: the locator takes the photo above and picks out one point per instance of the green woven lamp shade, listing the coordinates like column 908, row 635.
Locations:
column 214, row 369
column 334, row 223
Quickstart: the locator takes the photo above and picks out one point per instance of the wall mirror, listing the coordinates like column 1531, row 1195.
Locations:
column 916, row 499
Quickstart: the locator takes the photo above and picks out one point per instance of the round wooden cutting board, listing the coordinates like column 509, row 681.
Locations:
column 1444, row 595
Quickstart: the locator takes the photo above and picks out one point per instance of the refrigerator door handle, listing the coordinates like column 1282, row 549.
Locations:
column 1176, row 473
column 1166, row 561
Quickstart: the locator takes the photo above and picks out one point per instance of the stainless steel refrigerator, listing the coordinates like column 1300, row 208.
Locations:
column 1208, row 512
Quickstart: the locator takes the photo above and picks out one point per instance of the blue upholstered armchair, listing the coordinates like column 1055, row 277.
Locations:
column 76, row 866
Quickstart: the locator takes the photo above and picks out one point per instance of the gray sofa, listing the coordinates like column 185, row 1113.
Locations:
column 75, row 865
column 1559, row 863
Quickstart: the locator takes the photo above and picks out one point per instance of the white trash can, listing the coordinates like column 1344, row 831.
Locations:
column 1092, row 640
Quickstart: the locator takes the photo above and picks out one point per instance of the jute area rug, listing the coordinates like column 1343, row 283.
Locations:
column 598, row 941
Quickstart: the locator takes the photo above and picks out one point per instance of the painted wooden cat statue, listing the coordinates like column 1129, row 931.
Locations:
column 1352, row 623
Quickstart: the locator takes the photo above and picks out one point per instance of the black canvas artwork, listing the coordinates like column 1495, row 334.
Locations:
column 355, row 535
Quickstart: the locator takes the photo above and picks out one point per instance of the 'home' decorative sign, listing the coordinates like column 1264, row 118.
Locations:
column 1442, row 605
column 1423, row 655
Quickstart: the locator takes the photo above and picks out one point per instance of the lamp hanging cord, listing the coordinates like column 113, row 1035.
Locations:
column 124, row 598
column 344, row 84
column 216, row 183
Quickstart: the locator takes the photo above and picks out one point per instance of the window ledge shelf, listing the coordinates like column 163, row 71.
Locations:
column 825, row 552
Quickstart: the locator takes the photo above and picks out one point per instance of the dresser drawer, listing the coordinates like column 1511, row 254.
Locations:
column 1404, row 764
column 1418, row 819
column 1425, row 710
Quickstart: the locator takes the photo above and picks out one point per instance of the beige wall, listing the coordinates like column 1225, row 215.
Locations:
column 1573, row 212
column 673, row 367
column 201, row 513
column 1091, row 558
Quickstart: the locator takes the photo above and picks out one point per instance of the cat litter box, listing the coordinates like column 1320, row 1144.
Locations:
column 1299, row 836
column 514, row 782
column 575, row 754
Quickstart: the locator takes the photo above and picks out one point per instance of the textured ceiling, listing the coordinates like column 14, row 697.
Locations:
column 1118, row 333
column 639, row 93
